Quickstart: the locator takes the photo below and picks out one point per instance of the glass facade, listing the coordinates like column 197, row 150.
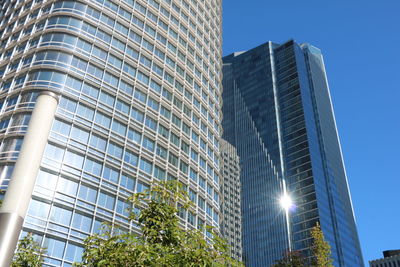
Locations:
column 279, row 116
column 140, row 90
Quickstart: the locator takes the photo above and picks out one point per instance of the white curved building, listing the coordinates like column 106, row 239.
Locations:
column 139, row 85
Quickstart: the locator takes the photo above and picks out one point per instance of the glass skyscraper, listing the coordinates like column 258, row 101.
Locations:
column 278, row 114
column 138, row 84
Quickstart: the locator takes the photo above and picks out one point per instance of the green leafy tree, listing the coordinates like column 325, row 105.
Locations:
column 163, row 243
column 291, row 259
column 321, row 250
column 29, row 253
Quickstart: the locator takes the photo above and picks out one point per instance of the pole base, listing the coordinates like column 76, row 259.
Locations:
column 10, row 228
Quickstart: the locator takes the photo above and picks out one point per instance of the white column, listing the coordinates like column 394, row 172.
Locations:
column 19, row 191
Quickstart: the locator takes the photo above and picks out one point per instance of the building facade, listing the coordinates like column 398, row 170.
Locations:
column 278, row 114
column 391, row 258
column 231, row 219
column 139, row 89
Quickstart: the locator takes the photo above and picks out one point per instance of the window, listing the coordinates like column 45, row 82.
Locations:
column 107, row 99
column 165, row 112
column 60, row 215
column 181, row 211
column 127, row 182
column 130, row 158
column 123, row 207
column 98, row 142
column 67, row 187
column 174, row 139
column 141, row 77
column 161, row 151
column 192, row 196
column 100, row 53
column 195, row 137
column 122, row 107
column 93, row 167
column 200, row 224
column 173, row 159
column 90, row 91
column 125, row 87
column 79, row 134
column 146, row 166
column 38, row 209
column 82, row 222
column 73, row 159
column 158, row 70
column 55, row 248
column 67, row 104
column 202, row 163
column 155, row 86
column 184, row 147
column 194, row 155
column 152, row 103
column 193, row 175
column 191, row 218
column 183, row 167
column 151, row 123
column 87, row 193
column 110, row 174
column 176, row 121
column 85, row 112
column 163, row 131
column 118, row 127
column 137, row 115
column 132, row 52
column 102, row 119
column 74, row 253
column 201, row 203
column 145, row 61
column 202, row 182
column 208, row 209
column 216, row 197
column 141, row 187
column 11, row 144
column 115, row 150
column 159, row 173
column 106, row 201
column 134, row 136
column 139, row 95
column 167, row 94
column 209, row 189
column 148, row 144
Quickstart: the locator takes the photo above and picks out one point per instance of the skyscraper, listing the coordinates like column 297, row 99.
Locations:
column 231, row 219
column 138, row 85
column 278, row 114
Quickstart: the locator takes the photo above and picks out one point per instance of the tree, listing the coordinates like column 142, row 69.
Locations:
column 162, row 242
column 291, row 259
column 29, row 253
column 321, row 250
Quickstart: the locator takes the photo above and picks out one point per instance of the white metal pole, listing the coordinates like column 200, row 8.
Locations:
column 19, row 191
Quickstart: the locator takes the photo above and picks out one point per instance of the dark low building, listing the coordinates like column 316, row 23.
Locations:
column 391, row 258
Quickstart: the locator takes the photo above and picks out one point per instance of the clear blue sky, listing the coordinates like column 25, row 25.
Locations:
column 360, row 41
